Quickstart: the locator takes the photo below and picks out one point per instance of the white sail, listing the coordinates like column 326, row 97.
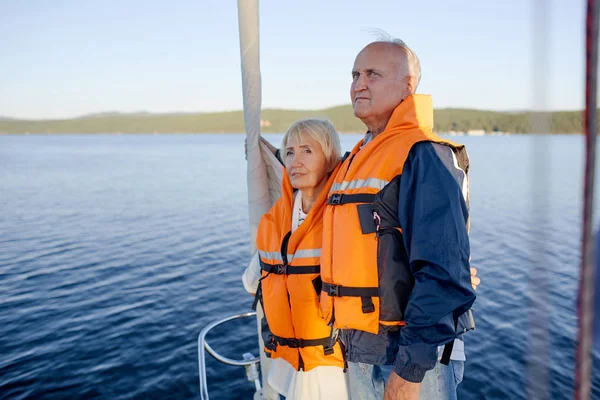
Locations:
column 264, row 171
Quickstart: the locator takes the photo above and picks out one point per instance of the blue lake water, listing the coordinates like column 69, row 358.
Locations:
column 115, row 251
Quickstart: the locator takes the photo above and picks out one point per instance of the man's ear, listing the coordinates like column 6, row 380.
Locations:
column 409, row 87
column 411, row 84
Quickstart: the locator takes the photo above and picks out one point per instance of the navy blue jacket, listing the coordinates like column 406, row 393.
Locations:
column 432, row 213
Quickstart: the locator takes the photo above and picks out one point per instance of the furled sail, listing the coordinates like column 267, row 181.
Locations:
column 264, row 171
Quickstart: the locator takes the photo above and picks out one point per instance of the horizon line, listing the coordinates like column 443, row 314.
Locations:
column 156, row 113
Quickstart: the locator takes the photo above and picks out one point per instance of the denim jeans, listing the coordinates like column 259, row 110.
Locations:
column 367, row 382
column 441, row 382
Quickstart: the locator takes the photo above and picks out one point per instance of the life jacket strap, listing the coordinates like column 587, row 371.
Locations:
column 346, row 291
column 365, row 294
column 449, row 346
column 447, row 353
column 257, row 298
column 340, row 198
column 344, row 354
column 283, row 269
column 334, row 337
column 294, row 343
column 258, row 295
column 367, row 305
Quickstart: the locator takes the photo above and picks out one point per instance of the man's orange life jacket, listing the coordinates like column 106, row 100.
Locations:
column 366, row 277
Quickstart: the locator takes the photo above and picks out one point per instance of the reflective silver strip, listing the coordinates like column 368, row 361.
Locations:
column 374, row 183
column 274, row 255
column 270, row 255
column 306, row 253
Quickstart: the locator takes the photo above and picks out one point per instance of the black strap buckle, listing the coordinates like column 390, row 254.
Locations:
column 281, row 269
column 271, row 345
column 295, row 343
column 335, row 198
column 334, row 290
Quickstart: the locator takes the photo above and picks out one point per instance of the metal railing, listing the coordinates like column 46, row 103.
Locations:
column 249, row 362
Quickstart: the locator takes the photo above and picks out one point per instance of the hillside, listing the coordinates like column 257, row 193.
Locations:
column 275, row 120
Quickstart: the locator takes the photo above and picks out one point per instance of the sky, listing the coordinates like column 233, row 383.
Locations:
column 62, row 59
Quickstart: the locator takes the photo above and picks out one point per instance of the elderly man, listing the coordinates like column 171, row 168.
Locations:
column 395, row 256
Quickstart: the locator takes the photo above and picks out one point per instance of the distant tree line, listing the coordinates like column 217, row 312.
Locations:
column 277, row 121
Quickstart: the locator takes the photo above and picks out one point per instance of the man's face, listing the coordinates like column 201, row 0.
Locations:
column 379, row 83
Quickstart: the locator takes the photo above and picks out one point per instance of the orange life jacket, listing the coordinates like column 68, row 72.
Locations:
column 290, row 285
column 357, row 292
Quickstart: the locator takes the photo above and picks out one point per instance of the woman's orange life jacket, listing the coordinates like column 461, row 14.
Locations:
column 363, row 285
column 291, row 285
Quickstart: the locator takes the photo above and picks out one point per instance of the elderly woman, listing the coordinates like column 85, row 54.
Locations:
column 307, row 360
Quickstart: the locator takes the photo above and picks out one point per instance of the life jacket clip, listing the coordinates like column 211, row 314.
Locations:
column 271, row 345
column 334, row 290
column 295, row 343
column 281, row 269
column 335, row 198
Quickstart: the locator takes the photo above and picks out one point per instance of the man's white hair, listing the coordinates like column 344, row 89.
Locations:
column 414, row 66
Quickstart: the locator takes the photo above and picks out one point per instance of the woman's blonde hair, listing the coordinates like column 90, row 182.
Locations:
column 320, row 130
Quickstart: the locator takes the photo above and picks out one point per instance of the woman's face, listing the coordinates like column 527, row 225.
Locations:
column 305, row 163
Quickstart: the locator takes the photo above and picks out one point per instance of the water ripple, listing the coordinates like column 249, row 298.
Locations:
column 106, row 279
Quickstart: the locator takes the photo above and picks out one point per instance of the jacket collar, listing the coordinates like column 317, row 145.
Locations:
column 416, row 111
